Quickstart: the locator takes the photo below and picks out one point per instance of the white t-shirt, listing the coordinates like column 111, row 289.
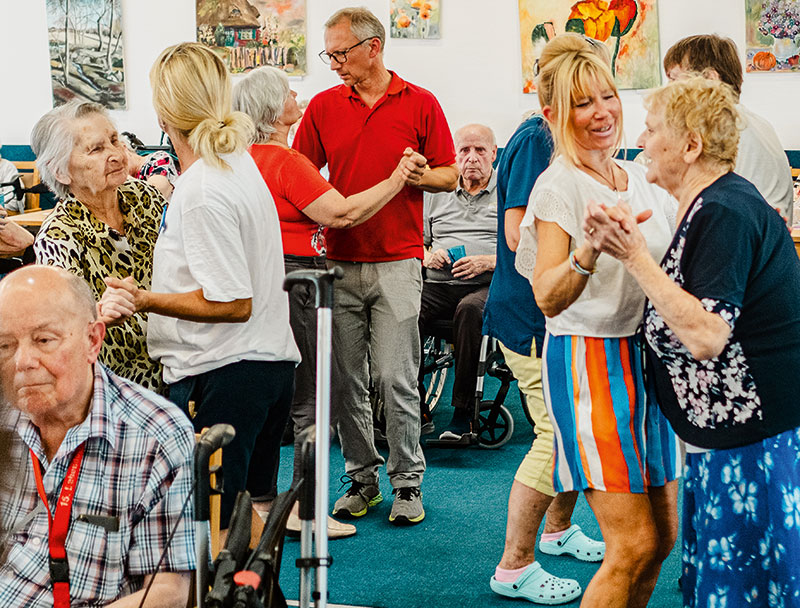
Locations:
column 612, row 303
column 762, row 161
column 221, row 234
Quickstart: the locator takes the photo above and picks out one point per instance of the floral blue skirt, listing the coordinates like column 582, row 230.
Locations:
column 741, row 530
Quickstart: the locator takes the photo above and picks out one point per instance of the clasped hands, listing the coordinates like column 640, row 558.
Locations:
column 468, row 267
column 411, row 167
column 120, row 301
column 614, row 230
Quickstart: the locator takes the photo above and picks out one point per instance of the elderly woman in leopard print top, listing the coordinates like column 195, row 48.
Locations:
column 104, row 223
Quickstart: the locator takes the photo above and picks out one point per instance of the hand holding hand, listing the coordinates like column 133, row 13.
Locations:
column 411, row 167
column 471, row 266
column 118, row 303
column 437, row 259
column 614, row 230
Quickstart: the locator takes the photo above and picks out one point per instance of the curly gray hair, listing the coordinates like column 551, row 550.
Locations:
column 262, row 95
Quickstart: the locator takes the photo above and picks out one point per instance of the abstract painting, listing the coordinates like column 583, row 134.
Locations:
column 415, row 19
column 629, row 28
column 772, row 32
column 86, row 51
column 249, row 34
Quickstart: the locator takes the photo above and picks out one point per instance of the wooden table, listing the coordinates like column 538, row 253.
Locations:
column 32, row 218
column 796, row 239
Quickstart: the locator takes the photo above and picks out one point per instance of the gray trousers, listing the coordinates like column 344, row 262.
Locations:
column 376, row 307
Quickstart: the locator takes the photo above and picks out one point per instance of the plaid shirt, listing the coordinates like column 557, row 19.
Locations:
column 136, row 467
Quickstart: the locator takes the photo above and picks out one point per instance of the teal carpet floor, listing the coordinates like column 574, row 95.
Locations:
column 446, row 560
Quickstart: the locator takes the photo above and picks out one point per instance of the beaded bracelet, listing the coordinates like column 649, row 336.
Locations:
column 573, row 263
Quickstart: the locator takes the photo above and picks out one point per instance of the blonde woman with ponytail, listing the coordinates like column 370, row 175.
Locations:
column 219, row 318
column 611, row 440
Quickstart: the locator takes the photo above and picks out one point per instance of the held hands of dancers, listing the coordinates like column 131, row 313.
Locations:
column 614, row 229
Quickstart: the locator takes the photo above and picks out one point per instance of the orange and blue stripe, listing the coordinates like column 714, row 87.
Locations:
column 608, row 435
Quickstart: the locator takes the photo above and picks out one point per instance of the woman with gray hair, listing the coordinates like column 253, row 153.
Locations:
column 306, row 204
column 722, row 331
column 103, row 225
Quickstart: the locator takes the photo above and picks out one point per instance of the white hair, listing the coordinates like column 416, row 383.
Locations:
column 52, row 141
column 262, row 95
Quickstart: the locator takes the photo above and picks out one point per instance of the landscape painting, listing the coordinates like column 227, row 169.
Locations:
column 772, row 33
column 629, row 28
column 249, row 34
column 414, row 19
column 86, row 51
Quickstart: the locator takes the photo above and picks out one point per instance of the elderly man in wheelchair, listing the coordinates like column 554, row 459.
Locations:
column 460, row 237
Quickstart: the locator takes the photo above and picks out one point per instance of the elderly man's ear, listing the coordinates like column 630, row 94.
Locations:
column 97, row 332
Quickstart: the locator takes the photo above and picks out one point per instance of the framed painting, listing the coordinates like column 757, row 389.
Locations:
column 629, row 28
column 86, row 51
column 250, row 33
column 772, row 31
column 415, row 19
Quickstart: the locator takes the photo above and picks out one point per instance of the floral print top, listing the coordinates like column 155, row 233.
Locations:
column 733, row 253
column 73, row 238
column 713, row 392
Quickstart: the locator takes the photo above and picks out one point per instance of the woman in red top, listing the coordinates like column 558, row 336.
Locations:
column 307, row 204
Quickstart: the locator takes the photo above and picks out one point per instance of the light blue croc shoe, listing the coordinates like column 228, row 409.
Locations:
column 536, row 585
column 575, row 543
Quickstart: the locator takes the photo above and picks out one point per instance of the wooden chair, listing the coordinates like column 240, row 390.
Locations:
column 30, row 177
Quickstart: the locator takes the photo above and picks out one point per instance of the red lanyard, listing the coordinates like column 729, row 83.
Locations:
column 59, row 525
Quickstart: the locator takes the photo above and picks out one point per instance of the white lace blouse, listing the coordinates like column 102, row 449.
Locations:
column 612, row 303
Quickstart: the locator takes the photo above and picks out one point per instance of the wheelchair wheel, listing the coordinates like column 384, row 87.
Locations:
column 437, row 358
column 494, row 431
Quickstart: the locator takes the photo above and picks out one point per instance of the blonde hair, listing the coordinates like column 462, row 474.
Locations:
column 703, row 107
column 192, row 93
column 568, row 67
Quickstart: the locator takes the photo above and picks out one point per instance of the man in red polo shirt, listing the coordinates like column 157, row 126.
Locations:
column 360, row 129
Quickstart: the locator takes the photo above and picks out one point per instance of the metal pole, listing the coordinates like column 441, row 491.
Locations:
column 323, row 439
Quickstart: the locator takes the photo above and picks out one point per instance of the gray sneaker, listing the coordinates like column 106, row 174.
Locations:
column 358, row 498
column 407, row 508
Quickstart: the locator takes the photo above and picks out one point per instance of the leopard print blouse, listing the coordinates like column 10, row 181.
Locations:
column 73, row 238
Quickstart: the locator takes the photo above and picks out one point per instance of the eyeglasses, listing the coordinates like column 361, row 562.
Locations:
column 340, row 56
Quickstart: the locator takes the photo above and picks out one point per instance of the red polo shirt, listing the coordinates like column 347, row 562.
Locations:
column 361, row 147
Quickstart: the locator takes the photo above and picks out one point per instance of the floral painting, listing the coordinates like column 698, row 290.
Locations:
column 629, row 28
column 86, row 51
column 773, row 28
column 251, row 33
column 414, row 19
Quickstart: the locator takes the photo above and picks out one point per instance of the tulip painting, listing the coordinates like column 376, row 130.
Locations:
column 414, row 19
column 629, row 28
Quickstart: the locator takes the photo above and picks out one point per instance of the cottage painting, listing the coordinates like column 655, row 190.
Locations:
column 772, row 29
column 414, row 19
column 251, row 33
column 86, row 51
column 629, row 28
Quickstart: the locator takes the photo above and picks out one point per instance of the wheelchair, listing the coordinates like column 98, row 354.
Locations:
column 493, row 424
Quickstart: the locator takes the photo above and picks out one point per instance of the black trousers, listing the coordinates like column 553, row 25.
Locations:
column 254, row 397
column 464, row 305
column 303, row 319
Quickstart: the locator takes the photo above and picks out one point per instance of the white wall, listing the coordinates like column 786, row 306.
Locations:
column 473, row 69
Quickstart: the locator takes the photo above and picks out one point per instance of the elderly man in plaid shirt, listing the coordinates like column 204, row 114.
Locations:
column 102, row 470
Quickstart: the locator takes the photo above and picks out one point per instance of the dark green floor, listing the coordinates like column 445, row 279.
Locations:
column 445, row 561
